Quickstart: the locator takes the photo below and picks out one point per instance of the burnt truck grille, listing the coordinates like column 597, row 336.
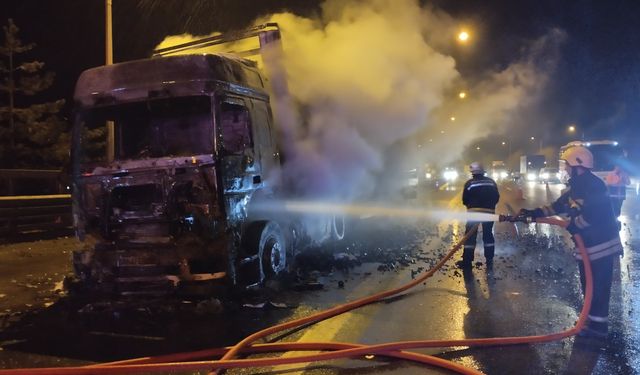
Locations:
column 142, row 199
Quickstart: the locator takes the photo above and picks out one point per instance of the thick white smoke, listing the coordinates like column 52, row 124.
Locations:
column 369, row 75
column 367, row 78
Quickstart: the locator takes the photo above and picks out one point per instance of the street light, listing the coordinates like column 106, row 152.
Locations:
column 463, row 36
column 462, row 95
column 572, row 130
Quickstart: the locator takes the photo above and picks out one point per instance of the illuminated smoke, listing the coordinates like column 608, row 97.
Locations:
column 370, row 76
column 372, row 79
column 502, row 106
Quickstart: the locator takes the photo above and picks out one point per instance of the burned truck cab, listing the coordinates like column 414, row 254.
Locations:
column 166, row 204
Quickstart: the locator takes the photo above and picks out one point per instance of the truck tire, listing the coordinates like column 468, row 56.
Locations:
column 272, row 251
column 266, row 241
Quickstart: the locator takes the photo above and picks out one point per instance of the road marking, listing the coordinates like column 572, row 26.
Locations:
column 354, row 322
column 328, row 330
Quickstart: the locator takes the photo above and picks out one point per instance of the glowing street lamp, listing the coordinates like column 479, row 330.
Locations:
column 462, row 95
column 572, row 129
column 463, row 36
column 452, row 118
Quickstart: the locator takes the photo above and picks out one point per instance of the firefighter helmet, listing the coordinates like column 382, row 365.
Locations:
column 578, row 156
column 476, row 168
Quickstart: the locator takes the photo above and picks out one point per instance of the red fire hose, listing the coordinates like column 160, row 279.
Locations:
column 175, row 362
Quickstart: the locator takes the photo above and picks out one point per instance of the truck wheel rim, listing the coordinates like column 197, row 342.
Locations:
column 276, row 256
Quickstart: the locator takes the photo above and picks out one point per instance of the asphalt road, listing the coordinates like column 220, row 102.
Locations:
column 532, row 289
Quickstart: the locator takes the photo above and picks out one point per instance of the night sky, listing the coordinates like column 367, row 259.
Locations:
column 596, row 84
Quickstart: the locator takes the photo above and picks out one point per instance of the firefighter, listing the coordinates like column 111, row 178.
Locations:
column 480, row 194
column 617, row 181
column 587, row 204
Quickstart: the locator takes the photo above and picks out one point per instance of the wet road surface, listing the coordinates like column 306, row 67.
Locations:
column 532, row 289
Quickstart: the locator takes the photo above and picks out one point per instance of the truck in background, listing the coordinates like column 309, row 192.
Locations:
column 530, row 166
column 195, row 151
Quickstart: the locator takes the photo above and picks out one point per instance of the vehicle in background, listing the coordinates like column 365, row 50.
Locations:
column 549, row 176
column 499, row 170
column 606, row 155
column 530, row 166
column 450, row 175
column 429, row 177
column 177, row 208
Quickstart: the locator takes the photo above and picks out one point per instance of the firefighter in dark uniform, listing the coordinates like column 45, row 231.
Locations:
column 587, row 204
column 480, row 194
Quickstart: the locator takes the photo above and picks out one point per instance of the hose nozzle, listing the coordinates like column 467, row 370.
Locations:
column 515, row 218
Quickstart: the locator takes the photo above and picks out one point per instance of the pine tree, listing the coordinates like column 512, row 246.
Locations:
column 32, row 136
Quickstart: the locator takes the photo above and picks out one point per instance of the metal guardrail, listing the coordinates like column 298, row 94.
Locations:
column 33, row 200
column 20, row 214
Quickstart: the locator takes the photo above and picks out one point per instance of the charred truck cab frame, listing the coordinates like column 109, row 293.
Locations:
column 194, row 141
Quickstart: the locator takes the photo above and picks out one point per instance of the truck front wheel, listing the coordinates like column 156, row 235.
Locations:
column 266, row 242
column 272, row 251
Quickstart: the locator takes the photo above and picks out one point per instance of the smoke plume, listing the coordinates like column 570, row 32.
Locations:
column 375, row 94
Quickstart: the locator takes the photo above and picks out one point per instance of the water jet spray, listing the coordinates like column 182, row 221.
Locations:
column 364, row 210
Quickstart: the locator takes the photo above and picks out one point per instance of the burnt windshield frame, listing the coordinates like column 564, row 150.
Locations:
column 89, row 144
column 163, row 127
column 234, row 127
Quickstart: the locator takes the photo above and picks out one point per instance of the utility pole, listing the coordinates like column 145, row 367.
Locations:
column 11, row 84
column 109, row 60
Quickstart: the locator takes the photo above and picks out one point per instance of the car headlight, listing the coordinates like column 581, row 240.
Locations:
column 504, row 174
column 545, row 176
column 450, row 175
column 531, row 176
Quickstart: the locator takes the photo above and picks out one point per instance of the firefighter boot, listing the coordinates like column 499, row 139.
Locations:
column 594, row 330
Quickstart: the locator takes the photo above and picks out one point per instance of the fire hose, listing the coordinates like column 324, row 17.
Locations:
column 176, row 362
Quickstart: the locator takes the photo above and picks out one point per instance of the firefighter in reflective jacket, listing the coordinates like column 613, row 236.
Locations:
column 587, row 204
column 617, row 181
column 480, row 194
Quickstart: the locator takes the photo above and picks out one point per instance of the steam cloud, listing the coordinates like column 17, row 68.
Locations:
column 371, row 75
